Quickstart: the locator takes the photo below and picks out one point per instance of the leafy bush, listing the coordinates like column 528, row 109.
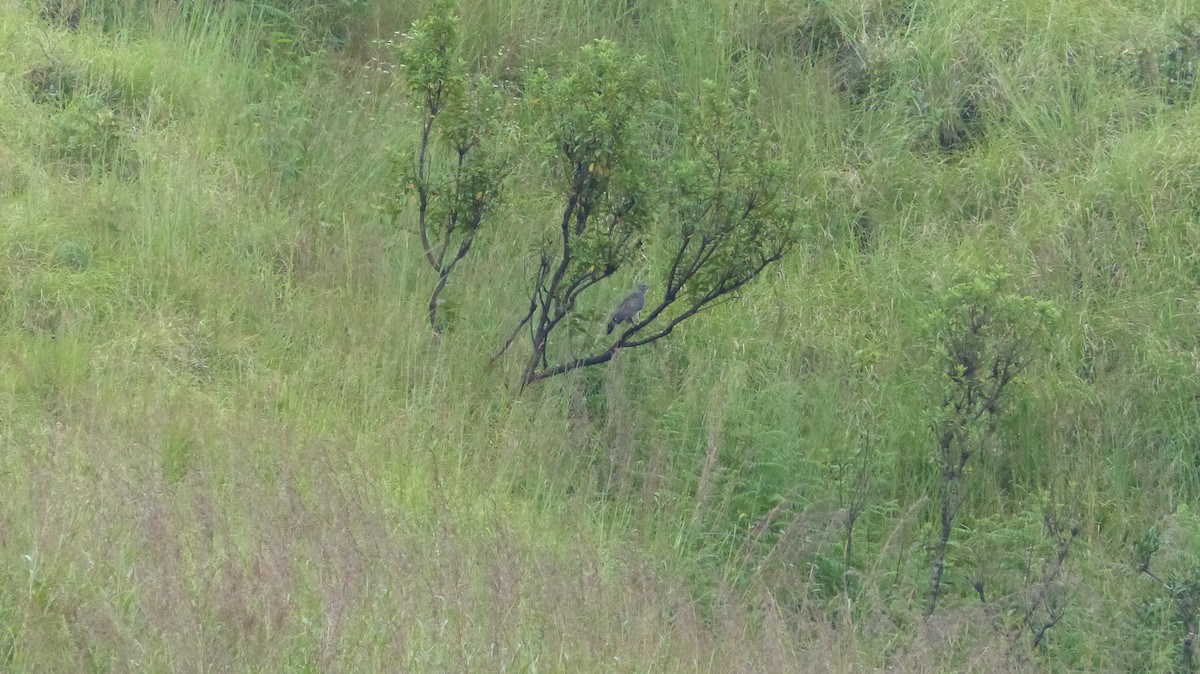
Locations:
column 725, row 200
column 984, row 338
column 456, row 174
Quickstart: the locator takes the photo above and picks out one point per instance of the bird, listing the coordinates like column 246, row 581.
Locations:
column 629, row 308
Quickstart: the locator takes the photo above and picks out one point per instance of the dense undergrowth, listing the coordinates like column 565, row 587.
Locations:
column 230, row 441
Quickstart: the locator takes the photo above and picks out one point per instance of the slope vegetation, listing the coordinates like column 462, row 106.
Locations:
column 231, row 442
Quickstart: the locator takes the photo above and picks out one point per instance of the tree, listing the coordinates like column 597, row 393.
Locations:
column 729, row 213
column 984, row 339
column 1173, row 545
column 456, row 174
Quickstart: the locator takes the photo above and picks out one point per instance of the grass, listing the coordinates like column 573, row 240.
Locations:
column 230, row 442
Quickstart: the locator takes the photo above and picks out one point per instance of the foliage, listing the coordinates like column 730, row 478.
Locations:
column 297, row 28
column 88, row 132
column 1181, row 61
column 52, row 83
column 984, row 338
column 285, row 33
column 733, row 210
column 727, row 202
column 1169, row 555
column 229, row 438
column 592, row 124
column 92, row 119
column 456, row 174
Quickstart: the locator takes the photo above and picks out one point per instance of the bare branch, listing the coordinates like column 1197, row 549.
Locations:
column 423, row 192
column 543, row 269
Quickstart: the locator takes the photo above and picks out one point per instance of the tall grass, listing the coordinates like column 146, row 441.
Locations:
column 230, row 442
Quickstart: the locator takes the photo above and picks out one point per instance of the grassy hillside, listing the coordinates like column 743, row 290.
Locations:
column 229, row 440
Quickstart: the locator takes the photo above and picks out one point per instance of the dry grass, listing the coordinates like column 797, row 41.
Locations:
column 157, row 540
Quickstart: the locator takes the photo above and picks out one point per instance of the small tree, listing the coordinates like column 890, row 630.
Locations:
column 593, row 122
column 729, row 211
column 984, row 339
column 1169, row 555
column 455, row 174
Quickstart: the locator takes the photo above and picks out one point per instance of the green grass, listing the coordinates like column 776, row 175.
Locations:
column 231, row 443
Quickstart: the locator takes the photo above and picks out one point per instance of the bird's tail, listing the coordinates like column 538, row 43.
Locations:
column 611, row 325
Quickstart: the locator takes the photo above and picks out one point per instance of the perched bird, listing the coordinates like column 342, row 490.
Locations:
column 630, row 308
